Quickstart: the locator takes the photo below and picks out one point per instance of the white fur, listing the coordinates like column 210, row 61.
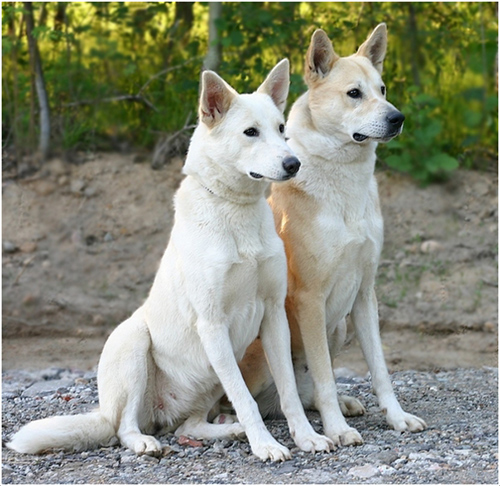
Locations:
column 221, row 282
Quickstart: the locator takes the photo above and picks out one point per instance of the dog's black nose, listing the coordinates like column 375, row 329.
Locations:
column 291, row 165
column 395, row 118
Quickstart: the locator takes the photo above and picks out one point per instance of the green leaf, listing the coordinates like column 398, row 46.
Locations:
column 441, row 161
column 400, row 162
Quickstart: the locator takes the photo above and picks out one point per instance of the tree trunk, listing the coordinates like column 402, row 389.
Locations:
column 214, row 55
column 414, row 45
column 15, row 86
column 36, row 66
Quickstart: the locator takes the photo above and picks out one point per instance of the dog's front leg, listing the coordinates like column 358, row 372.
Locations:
column 311, row 318
column 217, row 344
column 365, row 318
column 275, row 336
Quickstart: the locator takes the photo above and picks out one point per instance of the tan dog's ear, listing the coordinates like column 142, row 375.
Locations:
column 216, row 98
column 277, row 83
column 320, row 57
column 375, row 47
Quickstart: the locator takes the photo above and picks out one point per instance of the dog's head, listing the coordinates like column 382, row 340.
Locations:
column 347, row 95
column 246, row 132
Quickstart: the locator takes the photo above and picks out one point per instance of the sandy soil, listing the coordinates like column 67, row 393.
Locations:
column 81, row 245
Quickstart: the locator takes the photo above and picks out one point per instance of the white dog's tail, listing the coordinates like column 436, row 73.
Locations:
column 69, row 432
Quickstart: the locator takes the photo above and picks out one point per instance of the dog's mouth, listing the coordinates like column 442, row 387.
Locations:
column 359, row 137
column 256, row 176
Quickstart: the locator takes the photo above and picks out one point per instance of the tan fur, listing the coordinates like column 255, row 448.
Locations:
column 330, row 221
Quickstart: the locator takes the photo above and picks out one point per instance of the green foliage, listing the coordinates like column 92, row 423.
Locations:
column 440, row 69
column 422, row 150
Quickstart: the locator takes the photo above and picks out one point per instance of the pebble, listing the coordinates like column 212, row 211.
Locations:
column 431, row 246
column 8, row 246
column 460, row 407
column 366, row 471
column 28, row 247
column 46, row 387
column 77, row 186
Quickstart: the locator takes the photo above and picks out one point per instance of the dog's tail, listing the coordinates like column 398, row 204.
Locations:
column 69, row 432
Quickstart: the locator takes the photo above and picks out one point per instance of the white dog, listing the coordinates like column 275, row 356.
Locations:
column 221, row 283
column 330, row 221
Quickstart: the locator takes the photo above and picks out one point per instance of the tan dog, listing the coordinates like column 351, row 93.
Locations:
column 330, row 221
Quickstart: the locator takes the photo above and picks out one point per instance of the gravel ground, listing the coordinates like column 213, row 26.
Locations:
column 459, row 446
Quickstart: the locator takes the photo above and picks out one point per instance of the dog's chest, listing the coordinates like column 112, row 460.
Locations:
column 352, row 259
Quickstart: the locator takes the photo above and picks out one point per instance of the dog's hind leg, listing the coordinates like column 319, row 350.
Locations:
column 365, row 317
column 351, row 407
column 198, row 427
column 125, row 380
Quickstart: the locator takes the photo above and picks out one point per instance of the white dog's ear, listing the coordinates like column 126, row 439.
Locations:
column 320, row 57
column 216, row 98
column 375, row 47
column 277, row 83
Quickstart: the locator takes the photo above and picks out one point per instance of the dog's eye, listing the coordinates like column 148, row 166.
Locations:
column 251, row 132
column 354, row 93
column 282, row 128
column 383, row 90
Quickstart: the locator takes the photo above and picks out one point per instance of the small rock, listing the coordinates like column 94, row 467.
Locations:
column 42, row 388
column 44, row 187
column 148, row 459
column 77, row 237
column 489, row 326
column 30, row 299
column 90, row 191
column 56, row 167
column 8, row 247
column 77, row 186
column 28, row 247
column 366, row 471
column 98, row 320
column 431, row 246
column 288, row 467
column 108, row 237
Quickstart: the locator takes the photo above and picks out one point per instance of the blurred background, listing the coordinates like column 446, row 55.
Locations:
column 123, row 75
column 99, row 101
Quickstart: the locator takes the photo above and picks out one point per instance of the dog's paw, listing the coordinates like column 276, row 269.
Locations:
column 350, row 406
column 406, row 421
column 225, row 418
column 147, row 444
column 315, row 443
column 348, row 437
column 271, row 451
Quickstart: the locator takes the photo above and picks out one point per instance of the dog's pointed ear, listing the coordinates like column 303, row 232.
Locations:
column 320, row 57
column 277, row 83
column 216, row 98
column 375, row 47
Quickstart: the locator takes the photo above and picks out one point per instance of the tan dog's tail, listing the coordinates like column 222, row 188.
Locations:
column 70, row 432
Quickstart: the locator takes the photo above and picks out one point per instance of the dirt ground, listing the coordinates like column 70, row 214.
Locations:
column 81, row 245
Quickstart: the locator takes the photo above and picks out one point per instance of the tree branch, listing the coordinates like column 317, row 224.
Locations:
column 112, row 99
column 139, row 97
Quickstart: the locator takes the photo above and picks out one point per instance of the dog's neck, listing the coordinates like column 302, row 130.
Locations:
column 217, row 189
